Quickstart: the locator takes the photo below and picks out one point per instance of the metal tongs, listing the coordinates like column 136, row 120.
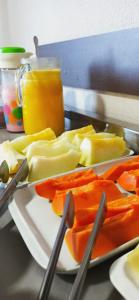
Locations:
column 81, row 275
column 6, row 194
column 67, row 221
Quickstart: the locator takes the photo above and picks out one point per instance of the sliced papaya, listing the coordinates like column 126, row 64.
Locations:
column 87, row 195
column 115, row 171
column 87, row 215
column 115, row 232
column 129, row 180
column 137, row 191
column 48, row 188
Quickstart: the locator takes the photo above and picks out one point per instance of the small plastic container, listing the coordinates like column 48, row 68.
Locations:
column 10, row 62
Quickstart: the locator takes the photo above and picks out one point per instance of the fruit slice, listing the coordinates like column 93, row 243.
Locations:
column 42, row 167
column 78, row 138
column 48, row 148
column 115, row 232
column 22, row 142
column 98, row 148
column 87, row 215
column 83, row 130
column 87, row 195
column 132, row 266
column 12, row 157
column 48, row 188
column 129, row 180
column 115, row 171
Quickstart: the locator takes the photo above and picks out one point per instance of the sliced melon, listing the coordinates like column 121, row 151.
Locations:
column 48, row 149
column 42, row 167
column 22, row 142
column 132, row 266
column 83, row 130
column 78, row 138
column 96, row 149
column 12, row 157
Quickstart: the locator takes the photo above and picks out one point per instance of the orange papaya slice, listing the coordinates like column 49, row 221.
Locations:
column 115, row 232
column 48, row 188
column 129, row 180
column 87, row 195
column 87, row 215
column 115, row 171
column 137, row 191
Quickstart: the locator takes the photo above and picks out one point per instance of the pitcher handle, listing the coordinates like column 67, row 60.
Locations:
column 23, row 69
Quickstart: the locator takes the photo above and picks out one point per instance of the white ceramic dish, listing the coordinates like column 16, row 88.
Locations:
column 121, row 281
column 38, row 225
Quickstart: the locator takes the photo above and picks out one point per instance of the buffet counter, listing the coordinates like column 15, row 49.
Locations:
column 21, row 277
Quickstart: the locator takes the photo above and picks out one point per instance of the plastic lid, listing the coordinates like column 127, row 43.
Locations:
column 12, row 60
column 12, row 50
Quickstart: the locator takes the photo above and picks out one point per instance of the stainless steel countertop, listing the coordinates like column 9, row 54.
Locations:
column 21, row 276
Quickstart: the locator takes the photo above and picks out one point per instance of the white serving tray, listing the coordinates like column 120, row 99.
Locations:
column 38, row 225
column 121, row 281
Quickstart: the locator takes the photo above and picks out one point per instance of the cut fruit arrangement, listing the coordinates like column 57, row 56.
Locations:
column 49, row 155
column 121, row 224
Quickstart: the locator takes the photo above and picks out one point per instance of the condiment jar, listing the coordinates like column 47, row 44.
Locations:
column 41, row 95
column 10, row 61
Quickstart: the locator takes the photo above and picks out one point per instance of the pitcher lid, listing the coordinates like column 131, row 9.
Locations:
column 10, row 57
column 12, row 50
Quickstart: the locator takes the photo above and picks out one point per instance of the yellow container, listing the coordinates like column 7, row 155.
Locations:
column 42, row 96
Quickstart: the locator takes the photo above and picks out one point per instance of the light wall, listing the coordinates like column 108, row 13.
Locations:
column 57, row 20
column 4, row 24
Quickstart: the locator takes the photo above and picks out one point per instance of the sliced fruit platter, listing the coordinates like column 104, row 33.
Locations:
column 49, row 155
column 37, row 209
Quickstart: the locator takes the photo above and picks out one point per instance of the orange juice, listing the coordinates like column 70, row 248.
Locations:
column 42, row 100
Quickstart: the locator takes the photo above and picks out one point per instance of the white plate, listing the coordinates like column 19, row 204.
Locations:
column 38, row 225
column 121, row 281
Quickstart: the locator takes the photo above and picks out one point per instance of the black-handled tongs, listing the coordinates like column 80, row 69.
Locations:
column 81, row 275
column 7, row 193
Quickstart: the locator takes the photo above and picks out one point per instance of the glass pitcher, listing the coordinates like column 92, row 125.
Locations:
column 41, row 95
column 10, row 62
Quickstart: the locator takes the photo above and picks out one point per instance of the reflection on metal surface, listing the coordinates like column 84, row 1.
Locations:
column 112, row 128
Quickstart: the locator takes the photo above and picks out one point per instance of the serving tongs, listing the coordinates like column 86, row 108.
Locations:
column 81, row 275
column 65, row 223
column 7, row 193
